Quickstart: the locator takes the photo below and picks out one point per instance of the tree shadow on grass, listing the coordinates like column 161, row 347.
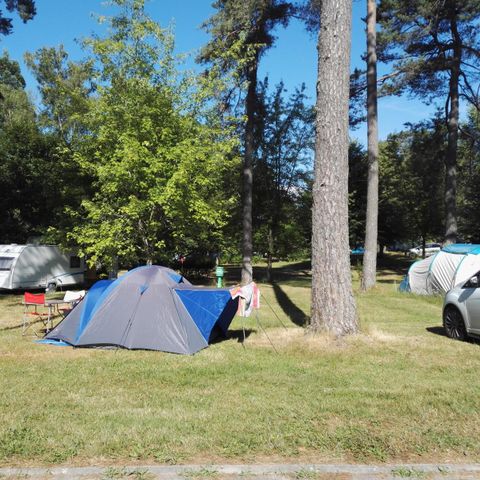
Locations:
column 295, row 314
column 239, row 335
column 20, row 325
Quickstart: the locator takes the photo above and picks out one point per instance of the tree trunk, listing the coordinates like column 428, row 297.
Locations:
column 270, row 254
column 251, row 104
column 452, row 125
column 333, row 304
column 113, row 271
column 371, row 232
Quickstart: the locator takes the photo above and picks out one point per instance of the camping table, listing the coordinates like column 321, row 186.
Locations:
column 52, row 305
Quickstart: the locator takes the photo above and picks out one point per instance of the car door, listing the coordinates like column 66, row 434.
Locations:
column 472, row 303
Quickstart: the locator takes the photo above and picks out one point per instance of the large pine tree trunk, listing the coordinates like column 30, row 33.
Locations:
column 371, row 232
column 333, row 304
column 250, row 108
column 452, row 125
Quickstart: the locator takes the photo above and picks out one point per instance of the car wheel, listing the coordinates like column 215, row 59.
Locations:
column 454, row 324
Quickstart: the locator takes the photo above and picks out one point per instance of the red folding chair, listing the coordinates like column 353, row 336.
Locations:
column 32, row 302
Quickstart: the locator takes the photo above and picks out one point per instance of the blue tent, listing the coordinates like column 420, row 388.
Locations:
column 151, row 308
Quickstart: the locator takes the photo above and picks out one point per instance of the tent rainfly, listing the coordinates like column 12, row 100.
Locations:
column 441, row 272
column 151, row 308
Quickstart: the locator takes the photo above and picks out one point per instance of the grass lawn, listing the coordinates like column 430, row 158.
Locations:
column 399, row 391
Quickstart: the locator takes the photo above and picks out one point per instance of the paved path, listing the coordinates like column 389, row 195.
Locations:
column 251, row 472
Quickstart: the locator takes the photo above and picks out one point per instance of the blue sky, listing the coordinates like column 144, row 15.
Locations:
column 292, row 60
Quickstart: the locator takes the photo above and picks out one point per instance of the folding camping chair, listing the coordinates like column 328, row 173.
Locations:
column 71, row 299
column 32, row 302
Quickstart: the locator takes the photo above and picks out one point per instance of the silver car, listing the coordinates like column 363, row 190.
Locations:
column 461, row 310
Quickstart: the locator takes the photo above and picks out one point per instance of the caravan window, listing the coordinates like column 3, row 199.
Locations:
column 6, row 263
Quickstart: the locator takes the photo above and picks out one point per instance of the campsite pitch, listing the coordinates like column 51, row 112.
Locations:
column 398, row 392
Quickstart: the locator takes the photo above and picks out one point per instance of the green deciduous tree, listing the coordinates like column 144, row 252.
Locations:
column 156, row 156
column 65, row 89
column 27, row 194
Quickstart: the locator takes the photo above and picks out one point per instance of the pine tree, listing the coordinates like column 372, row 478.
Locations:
column 26, row 11
column 241, row 32
column 434, row 48
column 333, row 304
column 371, row 230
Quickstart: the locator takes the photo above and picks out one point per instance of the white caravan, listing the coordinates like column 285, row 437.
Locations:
column 38, row 266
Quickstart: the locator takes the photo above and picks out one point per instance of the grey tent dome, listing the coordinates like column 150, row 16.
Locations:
column 151, row 308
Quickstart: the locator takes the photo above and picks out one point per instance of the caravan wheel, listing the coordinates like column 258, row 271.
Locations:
column 51, row 287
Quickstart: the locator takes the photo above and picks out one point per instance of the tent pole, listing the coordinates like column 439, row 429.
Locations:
column 275, row 313
column 265, row 332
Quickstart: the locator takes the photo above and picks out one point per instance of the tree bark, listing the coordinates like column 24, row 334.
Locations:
column 250, row 108
column 452, row 126
column 371, row 231
column 333, row 304
column 113, row 271
column 270, row 254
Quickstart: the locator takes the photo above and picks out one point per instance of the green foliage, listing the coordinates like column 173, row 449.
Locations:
column 394, row 191
column 469, row 178
column 65, row 88
column 419, row 38
column 242, row 31
column 411, row 183
column 10, row 73
column 426, row 149
column 434, row 49
column 357, row 192
column 25, row 9
column 282, row 171
column 27, row 191
column 157, row 159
